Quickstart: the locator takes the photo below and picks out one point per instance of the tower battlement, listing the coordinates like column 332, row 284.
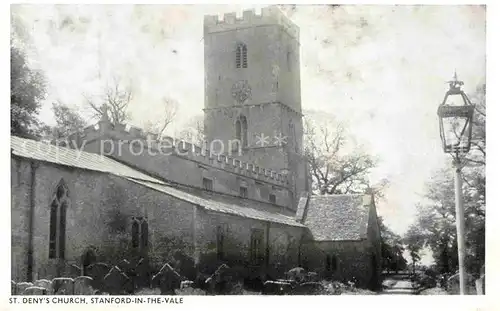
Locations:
column 127, row 136
column 270, row 15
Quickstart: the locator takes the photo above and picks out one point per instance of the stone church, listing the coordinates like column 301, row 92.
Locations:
column 242, row 198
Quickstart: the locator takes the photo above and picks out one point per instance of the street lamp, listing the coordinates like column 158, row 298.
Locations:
column 455, row 127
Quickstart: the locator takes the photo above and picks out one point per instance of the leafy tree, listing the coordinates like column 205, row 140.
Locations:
column 414, row 244
column 27, row 90
column 68, row 121
column 436, row 225
column 392, row 249
column 436, row 222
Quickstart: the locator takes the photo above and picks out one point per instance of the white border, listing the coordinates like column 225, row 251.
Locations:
column 292, row 302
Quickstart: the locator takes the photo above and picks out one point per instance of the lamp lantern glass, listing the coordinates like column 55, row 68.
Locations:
column 455, row 119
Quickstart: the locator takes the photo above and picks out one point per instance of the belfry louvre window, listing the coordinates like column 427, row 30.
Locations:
column 140, row 233
column 57, row 230
column 241, row 56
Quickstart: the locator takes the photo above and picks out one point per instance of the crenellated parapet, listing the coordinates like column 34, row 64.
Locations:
column 270, row 15
column 130, row 137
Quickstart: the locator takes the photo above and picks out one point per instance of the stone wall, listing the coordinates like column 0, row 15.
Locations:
column 20, row 217
column 273, row 56
column 170, row 220
column 282, row 241
column 273, row 107
column 353, row 260
column 100, row 214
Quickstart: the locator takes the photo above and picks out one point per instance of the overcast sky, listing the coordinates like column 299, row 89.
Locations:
column 380, row 69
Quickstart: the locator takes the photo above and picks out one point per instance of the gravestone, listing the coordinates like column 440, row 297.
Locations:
column 74, row 271
column 201, row 281
column 142, row 274
column 221, row 281
column 63, row 286
column 185, row 265
column 83, row 286
column 20, row 287
column 186, row 284
column 124, row 265
column 116, row 282
column 88, row 258
column 13, row 286
column 277, row 288
column 47, row 284
column 35, row 290
column 97, row 272
column 167, row 279
column 128, row 268
column 297, row 274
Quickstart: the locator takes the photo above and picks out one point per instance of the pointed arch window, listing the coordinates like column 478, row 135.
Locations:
column 241, row 56
column 331, row 263
column 241, row 130
column 220, row 242
column 140, row 233
column 238, row 130
column 256, row 246
column 57, row 230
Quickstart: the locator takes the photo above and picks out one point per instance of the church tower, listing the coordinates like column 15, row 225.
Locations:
column 252, row 91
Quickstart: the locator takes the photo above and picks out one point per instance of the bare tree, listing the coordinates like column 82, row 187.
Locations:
column 114, row 102
column 333, row 170
column 169, row 111
column 193, row 131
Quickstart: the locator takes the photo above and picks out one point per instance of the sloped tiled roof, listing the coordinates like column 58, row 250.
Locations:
column 41, row 151
column 220, row 206
column 337, row 217
column 45, row 152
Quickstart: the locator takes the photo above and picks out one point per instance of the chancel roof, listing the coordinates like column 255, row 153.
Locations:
column 337, row 217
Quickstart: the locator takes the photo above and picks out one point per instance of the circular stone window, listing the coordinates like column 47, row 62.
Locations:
column 241, row 91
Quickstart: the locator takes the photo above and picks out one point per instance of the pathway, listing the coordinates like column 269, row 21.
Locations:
column 397, row 285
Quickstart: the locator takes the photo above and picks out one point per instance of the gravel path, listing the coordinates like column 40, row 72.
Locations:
column 399, row 287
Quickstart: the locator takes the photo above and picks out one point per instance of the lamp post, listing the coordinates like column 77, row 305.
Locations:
column 455, row 126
